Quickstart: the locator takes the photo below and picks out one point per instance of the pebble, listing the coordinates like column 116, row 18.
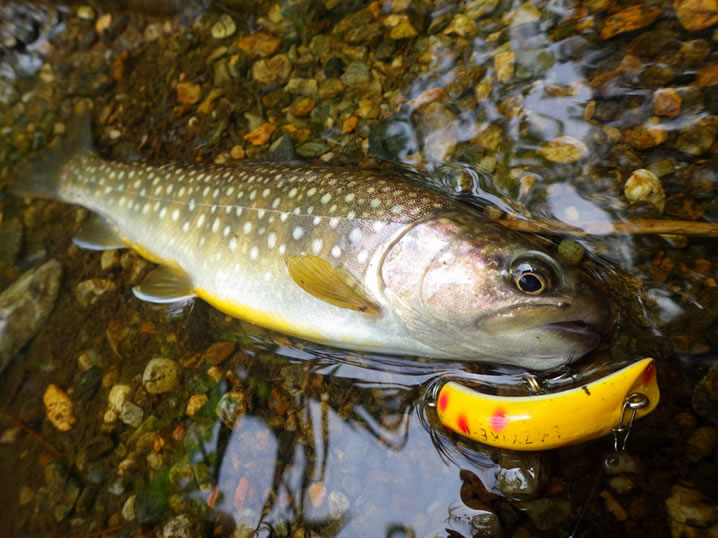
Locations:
column 571, row 251
column 160, row 375
column 119, row 394
column 131, row 414
column 259, row 44
column 195, row 403
column 230, row 407
column 521, row 476
column 128, row 509
column 696, row 139
column 504, row 65
column 58, row 407
column 302, row 86
column 88, row 292
column 356, row 75
column 622, row 484
column 317, row 491
column 707, row 75
column 260, row 135
column 705, row 395
column 24, row 307
column 547, row 514
column 696, row 15
column 338, row 504
column 188, row 93
column 275, row 70
column 225, row 27
column 644, row 186
column 85, row 12
column 621, row 463
column 302, row 106
column 701, row 443
column 648, row 136
column 613, row 506
column 629, row 19
column 330, row 87
column 109, row 260
column 177, row 527
column 103, row 23
column 88, row 359
column 666, row 102
column 403, row 30
column 564, row 149
column 690, row 506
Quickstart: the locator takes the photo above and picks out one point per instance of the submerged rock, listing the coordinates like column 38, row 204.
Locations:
column 24, row 307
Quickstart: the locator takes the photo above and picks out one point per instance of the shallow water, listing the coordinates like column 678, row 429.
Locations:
column 298, row 440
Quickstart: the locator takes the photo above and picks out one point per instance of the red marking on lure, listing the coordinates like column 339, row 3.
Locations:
column 463, row 424
column 648, row 373
column 498, row 420
column 443, row 401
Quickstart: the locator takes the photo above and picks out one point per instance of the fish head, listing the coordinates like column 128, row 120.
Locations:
column 472, row 289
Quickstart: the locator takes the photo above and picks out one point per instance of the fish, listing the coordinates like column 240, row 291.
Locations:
column 351, row 258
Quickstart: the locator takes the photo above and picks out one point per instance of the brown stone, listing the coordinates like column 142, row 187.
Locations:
column 696, row 15
column 188, row 93
column 260, row 135
column 629, row 19
column 259, row 44
column 666, row 102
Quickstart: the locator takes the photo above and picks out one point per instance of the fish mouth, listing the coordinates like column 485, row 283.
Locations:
column 554, row 318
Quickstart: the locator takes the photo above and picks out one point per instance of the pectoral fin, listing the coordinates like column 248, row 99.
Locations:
column 98, row 234
column 165, row 285
column 328, row 283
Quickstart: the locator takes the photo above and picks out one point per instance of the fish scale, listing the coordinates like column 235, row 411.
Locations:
column 353, row 258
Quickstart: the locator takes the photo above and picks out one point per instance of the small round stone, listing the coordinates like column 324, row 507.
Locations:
column 160, row 375
column 224, row 27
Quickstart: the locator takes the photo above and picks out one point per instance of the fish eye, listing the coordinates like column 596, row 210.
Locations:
column 531, row 277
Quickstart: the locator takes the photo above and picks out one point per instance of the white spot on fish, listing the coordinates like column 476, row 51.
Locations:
column 175, row 214
column 266, row 192
column 397, row 209
column 252, row 195
column 191, row 205
column 215, row 194
column 267, row 276
column 292, row 192
column 254, row 252
column 271, row 239
column 136, row 184
column 181, row 191
column 317, row 246
column 333, row 208
column 260, row 213
column 349, row 197
column 169, row 189
column 238, row 211
column 355, row 235
column 378, row 225
column 233, row 243
column 362, row 257
column 225, row 232
column 312, row 191
column 215, row 225
column 229, row 190
column 316, row 220
column 185, row 227
column 298, row 232
column 205, row 192
column 351, row 215
column 325, row 199
column 276, row 202
column 146, row 208
column 333, row 222
column 200, row 220
column 247, row 227
column 282, row 248
column 375, row 203
column 336, row 251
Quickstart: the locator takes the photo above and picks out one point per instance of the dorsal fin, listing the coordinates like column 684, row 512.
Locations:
column 328, row 283
column 165, row 285
column 98, row 234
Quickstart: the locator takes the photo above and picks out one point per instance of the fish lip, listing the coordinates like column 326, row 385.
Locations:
column 567, row 318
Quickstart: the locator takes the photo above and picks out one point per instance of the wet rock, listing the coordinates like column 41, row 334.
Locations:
column 128, row 509
column 521, row 476
column 564, row 149
column 88, row 359
column 217, row 353
column 312, row 149
column 629, row 19
column 696, row 15
column 622, row 484
column 644, row 186
column 547, row 514
column 708, row 75
column 178, row 527
column 705, row 395
column 86, row 500
column 230, row 407
column 160, row 375
column 260, row 135
column 11, row 236
column 356, row 75
column 701, row 443
column 648, row 136
column 131, row 414
column 504, row 65
column 196, row 403
column 338, row 504
column 225, row 27
column 109, row 260
column 302, row 86
column 696, row 139
column 188, row 93
column 666, row 102
column 690, row 506
column 477, row 520
column 66, row 502
column 613, row 506
column 259, row 44
column 88, row 292
column 302, row 106
column 24, row 307
column 317, row 492
column 275, row 70
column 119, row 394
column 58, row 408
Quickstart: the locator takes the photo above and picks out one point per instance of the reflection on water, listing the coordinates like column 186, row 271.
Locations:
column 531, row 111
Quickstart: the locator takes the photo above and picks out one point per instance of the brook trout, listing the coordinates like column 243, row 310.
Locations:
column 355, row 259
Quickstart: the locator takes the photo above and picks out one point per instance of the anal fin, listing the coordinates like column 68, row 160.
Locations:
column 98, row 234
column 165, row 285
column 328, row 283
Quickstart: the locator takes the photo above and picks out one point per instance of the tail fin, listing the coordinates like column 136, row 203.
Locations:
column 40, row 175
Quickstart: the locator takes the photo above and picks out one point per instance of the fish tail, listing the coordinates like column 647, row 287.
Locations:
column 41, row 176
